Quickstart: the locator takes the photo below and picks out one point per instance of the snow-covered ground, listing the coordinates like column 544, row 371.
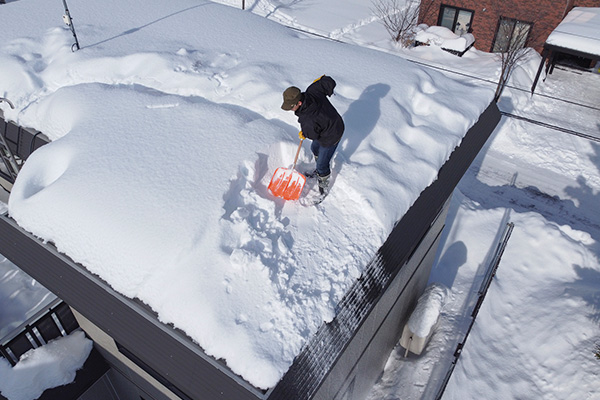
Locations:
column 535, row 334
column 536, row 331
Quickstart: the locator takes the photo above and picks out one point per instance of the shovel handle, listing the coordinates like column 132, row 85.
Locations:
column 297, row 153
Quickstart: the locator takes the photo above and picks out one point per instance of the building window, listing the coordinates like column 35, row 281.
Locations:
column 511, row 34
column 458, row 20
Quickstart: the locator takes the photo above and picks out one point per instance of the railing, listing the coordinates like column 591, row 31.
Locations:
column 16, row 144
column 485, row 285
column 53, row 321
column 10, row 162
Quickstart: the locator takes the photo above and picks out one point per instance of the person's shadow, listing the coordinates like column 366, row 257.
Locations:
column 359, row 120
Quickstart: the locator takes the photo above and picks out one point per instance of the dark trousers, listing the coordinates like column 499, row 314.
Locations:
column 323, row 156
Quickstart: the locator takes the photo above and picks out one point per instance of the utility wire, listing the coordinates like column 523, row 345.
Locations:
column 479, row 78
column 550, row 126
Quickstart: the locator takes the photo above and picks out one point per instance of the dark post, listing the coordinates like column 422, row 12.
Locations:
column 69, row 21
column 537, row 76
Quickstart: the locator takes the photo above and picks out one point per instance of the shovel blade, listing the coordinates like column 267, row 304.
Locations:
column 287, row 183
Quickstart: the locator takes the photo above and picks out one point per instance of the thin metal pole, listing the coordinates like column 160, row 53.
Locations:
column 69, row 22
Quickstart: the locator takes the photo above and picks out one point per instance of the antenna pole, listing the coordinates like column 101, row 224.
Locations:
column 69, row 21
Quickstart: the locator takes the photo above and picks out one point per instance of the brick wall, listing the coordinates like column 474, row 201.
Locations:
column 545, row 15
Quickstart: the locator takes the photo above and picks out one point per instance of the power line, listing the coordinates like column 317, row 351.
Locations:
column 550, row 126
column 445, row 69
column 479, row 78
column 575, row 103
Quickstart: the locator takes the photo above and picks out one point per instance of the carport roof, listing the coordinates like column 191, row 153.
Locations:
column 579, row 31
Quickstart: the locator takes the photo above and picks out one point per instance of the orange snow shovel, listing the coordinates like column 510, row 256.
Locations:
column 288, row 183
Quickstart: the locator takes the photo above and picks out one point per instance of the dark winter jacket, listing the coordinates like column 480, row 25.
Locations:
column 318, row 119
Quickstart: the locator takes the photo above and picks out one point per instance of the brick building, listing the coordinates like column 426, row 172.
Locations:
column 486, row 18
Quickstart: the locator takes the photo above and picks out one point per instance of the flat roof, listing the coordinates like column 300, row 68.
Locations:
column 169, row 354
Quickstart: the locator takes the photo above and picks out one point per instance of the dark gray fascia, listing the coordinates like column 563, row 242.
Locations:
column 317, row 359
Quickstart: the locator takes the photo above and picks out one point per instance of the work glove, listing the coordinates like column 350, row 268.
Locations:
column 301, row 135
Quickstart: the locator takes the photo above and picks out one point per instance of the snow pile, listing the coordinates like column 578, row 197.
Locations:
column 419, row 328
column 443, row 37
column 165, row 138
column 428, row 309
column 580, row 30
column 54, row 364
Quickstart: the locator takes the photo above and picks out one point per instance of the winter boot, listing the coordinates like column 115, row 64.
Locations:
column 323, row 183
column 313, row 173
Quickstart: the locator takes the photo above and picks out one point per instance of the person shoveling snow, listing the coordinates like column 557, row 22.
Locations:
column 319, row 121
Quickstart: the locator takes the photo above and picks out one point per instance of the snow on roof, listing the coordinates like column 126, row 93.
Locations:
column 580, row 30
column 166, row 129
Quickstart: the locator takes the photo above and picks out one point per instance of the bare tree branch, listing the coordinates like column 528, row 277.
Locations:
column 514, row 48
column 513, row 40
column 400, row 17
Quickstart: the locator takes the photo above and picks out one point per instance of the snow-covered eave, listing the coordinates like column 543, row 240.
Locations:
column 168, row 352
column 578, row 33
column 573, row 51
column 550, row 48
